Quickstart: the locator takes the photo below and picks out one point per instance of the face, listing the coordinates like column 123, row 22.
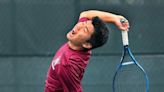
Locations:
column 81, row 32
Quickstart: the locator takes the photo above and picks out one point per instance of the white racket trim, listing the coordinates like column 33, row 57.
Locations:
column 125, row 39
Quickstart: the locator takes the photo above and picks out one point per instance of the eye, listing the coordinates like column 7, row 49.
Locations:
column 85, row 29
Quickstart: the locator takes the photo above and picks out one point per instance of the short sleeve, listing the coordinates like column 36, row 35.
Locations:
column 83, row 19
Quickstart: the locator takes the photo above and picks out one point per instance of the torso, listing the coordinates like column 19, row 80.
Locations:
column 74, row 63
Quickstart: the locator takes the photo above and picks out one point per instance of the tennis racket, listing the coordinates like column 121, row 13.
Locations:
column 129, row 75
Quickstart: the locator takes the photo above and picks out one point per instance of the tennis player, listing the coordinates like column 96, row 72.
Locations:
column 68, row 65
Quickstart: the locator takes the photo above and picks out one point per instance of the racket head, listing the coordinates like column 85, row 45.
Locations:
column 130, row 76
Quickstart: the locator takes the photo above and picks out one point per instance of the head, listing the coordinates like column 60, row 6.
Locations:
column 89, row 34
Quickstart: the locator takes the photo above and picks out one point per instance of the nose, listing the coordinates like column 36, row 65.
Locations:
column 79, row 26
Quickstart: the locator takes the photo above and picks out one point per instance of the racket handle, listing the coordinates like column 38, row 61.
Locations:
column 124, row 35
column 125, row 38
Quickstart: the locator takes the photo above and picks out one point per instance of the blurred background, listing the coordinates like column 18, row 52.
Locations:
column 32, row 30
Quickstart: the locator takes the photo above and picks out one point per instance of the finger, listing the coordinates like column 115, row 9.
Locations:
column 126, row 24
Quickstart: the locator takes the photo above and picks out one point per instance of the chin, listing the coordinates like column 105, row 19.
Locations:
column 68, row 36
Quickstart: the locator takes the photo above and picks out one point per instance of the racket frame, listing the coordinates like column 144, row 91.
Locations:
column 134, row 61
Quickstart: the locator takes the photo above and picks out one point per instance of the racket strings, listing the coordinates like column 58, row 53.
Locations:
column 130, row 78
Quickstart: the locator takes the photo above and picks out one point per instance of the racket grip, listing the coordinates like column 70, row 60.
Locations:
column 124, row 35
column 125, row 38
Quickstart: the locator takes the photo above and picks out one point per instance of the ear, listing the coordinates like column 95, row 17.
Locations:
column 87, row 45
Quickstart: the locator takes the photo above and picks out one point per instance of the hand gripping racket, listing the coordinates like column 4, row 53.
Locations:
column 129, row 75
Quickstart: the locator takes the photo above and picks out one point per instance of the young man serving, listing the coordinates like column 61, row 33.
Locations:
column 68, row 65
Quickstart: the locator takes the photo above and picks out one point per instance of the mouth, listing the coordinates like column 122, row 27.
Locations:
column 73, row 32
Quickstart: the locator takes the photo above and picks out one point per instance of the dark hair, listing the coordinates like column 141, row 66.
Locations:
column 100, row 34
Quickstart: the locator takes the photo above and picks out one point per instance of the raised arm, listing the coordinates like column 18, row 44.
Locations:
column 107, row 17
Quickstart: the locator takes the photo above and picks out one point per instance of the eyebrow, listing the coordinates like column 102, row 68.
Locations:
column 87, row 28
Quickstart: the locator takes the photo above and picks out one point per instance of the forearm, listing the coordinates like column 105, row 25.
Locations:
column 105, row 16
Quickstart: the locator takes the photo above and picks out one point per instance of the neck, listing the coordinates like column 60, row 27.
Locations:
column 74, row 47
